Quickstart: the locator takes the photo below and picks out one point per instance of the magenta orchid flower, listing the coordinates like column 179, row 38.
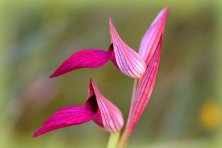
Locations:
column 143, row 66
column 122, row 56
column 96, row 108
column 150, row 51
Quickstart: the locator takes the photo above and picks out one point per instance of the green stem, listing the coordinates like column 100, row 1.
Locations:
column 134, row 89
column 124, row 139
column 113, row 140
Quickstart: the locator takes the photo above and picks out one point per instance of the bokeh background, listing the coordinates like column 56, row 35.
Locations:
column 36, row 36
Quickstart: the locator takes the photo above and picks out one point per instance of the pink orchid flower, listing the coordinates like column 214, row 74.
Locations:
column 122, row 56
column 150, row 51
column 96, row 108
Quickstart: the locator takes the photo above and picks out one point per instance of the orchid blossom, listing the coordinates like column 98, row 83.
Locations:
column 143, row 66
column 122, row 56
column 150, row 51
column 96, row 108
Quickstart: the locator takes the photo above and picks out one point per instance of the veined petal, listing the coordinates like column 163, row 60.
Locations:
column 67, row 116
column 144, row 89
column 150, row 49
column 152, row 36
column 96, row 108
column 88, row 58
column 108, row 115
column 128, row 61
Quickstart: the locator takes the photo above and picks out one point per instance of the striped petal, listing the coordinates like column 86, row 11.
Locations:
column 96, row 108
column 127, row 60
column 108, row 115
column 150, row 49
column 67, row 116
column 144, row 89
column 152, row 36
column 88, row 58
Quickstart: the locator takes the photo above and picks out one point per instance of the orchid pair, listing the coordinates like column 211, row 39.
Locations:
column 142, row 66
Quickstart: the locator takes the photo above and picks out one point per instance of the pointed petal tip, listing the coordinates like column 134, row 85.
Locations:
column 110, row 21
column 91, row 81
column 92, row 85
column 36, row 134
column 57, row 73
column 53, row 75
column 166, row 10
column 111, row 26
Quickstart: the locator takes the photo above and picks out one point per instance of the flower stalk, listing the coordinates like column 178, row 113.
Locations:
column 124, row 139
column 113, row 140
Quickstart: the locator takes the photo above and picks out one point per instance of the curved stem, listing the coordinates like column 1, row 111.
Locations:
column 113, row 140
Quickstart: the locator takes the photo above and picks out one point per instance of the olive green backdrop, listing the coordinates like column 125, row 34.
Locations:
column 36, row 36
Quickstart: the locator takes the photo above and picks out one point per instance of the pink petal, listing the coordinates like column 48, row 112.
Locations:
column 144, row 89
column 96, row 108
column 89, row 58
column 66, row 116
column 152, row 37
column 108, row 115
column 128, row 61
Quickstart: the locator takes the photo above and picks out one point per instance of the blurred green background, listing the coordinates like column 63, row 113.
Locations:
column 36, row 36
